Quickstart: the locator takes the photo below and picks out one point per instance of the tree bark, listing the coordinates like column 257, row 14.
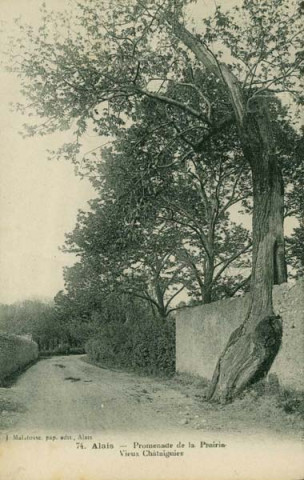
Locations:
column 208, row 279
column 159, row 293
column 252, row 347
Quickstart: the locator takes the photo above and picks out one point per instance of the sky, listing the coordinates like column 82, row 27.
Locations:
column 39, row 198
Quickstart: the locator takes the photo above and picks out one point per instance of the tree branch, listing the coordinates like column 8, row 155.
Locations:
column 239, row 286
column 171, row 101
column 231, row 199
column 231, row 259
column 220, row 70
column 226, row 122
column 143, row 297
column 173, row 296
column 202, row 96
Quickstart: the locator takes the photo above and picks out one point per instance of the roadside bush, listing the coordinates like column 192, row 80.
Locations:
column 148, row 346
column 58, row 351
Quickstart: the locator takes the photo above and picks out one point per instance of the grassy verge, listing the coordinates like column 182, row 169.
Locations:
column 265, row 398
column 61, row 352
column 114, row 367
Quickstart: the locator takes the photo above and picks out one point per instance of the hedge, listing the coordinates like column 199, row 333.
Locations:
column 148, row 346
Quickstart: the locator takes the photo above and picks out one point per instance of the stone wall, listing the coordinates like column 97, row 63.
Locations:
column 202, row 333
column 15, row 353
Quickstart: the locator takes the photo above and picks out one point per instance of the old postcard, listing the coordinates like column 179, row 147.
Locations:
column 152, row 293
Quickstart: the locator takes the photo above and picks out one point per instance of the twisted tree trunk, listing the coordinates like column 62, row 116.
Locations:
column 252, row 348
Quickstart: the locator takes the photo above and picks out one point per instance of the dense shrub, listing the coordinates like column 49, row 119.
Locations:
column 292, row 402
column 62, row 350
column 148, row 346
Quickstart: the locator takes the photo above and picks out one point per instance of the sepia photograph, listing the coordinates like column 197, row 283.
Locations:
column 151, row 240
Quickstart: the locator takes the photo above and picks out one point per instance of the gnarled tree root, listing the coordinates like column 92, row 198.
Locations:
column 246, row 359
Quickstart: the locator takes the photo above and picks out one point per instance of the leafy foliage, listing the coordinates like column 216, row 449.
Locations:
column 148, row 346
column 42, row 321
column 295, row 252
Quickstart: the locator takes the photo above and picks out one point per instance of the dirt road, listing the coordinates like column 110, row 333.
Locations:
column 117, row 416
column 67, row 394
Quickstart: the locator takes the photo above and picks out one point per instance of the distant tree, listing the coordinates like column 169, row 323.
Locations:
column 192, row 194
column 33, row 317
column 136, row 262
